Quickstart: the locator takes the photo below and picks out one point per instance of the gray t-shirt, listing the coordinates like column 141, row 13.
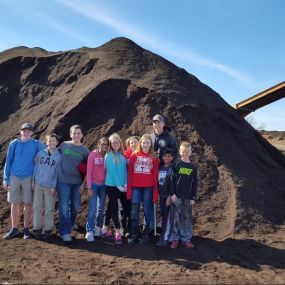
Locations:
column 71, row 157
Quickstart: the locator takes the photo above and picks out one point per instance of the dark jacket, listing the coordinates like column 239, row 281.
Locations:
column 164, row 140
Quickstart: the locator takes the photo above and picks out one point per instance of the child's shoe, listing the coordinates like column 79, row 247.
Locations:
column 89, row 236
column 106, row 232
column 174, row 244
column 37, row 234
column 118, row 238
column 189, row 244
column 12, row 233
column 134, row 237
column 47, row 235
column 162, row 242
column 97, row 231
column 26, row 233
column 145, row 236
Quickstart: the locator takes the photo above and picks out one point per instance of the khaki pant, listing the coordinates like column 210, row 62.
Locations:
column 43, row 206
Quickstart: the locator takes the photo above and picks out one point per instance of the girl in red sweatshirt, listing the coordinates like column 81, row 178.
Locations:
column 142, row 187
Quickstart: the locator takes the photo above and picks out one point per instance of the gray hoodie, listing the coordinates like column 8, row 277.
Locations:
column 46, row 168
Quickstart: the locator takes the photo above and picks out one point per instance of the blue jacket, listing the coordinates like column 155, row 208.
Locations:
column 116, row 173
column 20, row 158
column 46, row 168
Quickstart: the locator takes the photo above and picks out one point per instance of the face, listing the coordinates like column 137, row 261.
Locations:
column 145, row 145
column 158, row 127
column 26, row 134
column 115, row 144
column 133, row 143
column 167, row 158
column 103, row 146
column 52, row 142
column 76, row 135
column 185, row 153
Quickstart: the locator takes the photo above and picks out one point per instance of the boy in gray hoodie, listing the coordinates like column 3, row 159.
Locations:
column 43, row 184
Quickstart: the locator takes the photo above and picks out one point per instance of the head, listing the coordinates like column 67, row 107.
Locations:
column 185, row 151
column 27, row 131
column 52, row 141
column 167, row 156
column 158, row 124
column 76, row 134
column 103, row 145
column 132, row 142
column 116, row 143
column 145, row 145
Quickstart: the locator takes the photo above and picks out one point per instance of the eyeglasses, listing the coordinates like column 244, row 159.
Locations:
column 104, row 144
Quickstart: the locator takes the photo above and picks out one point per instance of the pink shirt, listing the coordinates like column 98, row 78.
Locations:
column 96, row 171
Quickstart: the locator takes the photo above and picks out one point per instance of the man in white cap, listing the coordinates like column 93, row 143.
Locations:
column 161, row 137
column 17, row 179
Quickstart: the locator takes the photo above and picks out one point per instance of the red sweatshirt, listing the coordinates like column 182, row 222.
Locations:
column 143, row 172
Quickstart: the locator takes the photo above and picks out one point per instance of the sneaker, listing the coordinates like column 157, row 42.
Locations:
column 97, row 231
column 106, row 233
column 89, row 236
column 26, row 233
column 66, row 238
column 118, row 238
column 145, row 236
column 12, row 233
column 37, row 234
column 75, row 227
column 134, row 238
column 47, row 235
column 189, row 244
column 162, row 242
column 174, row 244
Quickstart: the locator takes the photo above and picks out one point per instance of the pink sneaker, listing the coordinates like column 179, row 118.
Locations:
column 118, row 238
column 189, row 244
column 106, row 233
column 174, row 244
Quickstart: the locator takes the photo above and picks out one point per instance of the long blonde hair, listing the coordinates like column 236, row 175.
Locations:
column 139, row 147
column 121, row 149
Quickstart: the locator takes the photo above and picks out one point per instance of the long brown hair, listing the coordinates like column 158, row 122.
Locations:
column 121, row 149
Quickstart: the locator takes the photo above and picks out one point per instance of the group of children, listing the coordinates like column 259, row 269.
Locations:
column 137, row 175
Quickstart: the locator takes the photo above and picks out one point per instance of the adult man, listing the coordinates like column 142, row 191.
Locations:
column 161, row 137
column 17, row 179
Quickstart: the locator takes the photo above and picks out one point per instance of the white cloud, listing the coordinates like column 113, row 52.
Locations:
column 101, row 15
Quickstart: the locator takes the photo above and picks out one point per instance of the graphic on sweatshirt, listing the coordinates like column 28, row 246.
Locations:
column 143, row 165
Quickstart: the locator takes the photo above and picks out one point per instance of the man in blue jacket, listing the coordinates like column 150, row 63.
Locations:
column 162, row 139
column 17, row 180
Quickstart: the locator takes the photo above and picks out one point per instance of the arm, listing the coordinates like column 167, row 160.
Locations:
column 155, row 178
column 173, row 146
column 8, row 163
column 193, row 194
column 90, row 166
column 56, row 173
column 130, row 177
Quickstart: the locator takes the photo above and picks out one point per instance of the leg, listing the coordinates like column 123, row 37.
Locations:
column 113, row 203
column 15, row 211
column 49, row 209
column 148, row 205
column 186, row 222
column 92, row 208
column 64, row 196
column 26, row 184
column 13, row 197
column 38, row 207
column 75, row 202
column 100, row 206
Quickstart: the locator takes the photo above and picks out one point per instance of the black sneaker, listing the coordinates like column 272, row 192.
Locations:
column 37, row 234
column 162, row 242
column 26, row 233
column 145, row 236
column 12, row 233
column 47, row 235
column 134, row 238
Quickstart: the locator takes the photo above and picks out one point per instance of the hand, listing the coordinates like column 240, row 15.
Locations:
column 89, row 192
column 82, row 187
column 52, row 191
column 173, row 198
column 192, row 202
column 122, row 188
column 33, row 185
column 6, row 186
column 168, row 201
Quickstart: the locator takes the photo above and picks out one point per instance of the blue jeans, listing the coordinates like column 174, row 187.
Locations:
column 165, row 215
column 142, row 194
column 96, row 207
column 69, row 203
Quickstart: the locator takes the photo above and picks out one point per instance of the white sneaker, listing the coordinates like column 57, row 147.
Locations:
column 66, row 238
column 89, row 236
column 97, row 231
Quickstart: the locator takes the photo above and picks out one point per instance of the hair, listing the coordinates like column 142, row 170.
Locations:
column 131, row 138
column 101, row 140
column 184, row 145
column 52, row 135
column 121, row 149
column 139, row 147
column 74, row 127
column 167, row 151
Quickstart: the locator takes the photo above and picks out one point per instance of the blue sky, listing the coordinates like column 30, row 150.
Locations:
column 235, row 47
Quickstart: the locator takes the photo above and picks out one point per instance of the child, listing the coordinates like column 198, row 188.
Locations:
column 165, row 184
column 142, row 187
column 44, row 183
column 132, row 143
column 17, row 180
column 96, row 174
column 183, row 198
column 70, row 185
column 116, row 180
